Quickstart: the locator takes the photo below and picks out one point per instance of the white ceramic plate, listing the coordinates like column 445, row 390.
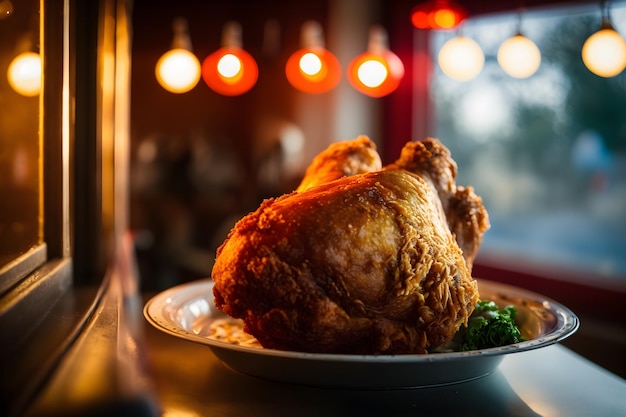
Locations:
column 186, row 311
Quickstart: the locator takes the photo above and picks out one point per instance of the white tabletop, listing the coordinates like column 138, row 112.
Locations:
column 555, row 381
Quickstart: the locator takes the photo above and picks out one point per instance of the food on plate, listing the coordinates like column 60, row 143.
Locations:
column 361, row 258
column 230, row 331
column 489, row 326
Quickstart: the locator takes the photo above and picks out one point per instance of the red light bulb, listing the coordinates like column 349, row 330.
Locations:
column 438, row 14
column 378, row 71
column 230, row 71
column 419, row 18
column 313, row 69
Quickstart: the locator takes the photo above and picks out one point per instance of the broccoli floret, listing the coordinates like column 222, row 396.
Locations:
column 488, row 327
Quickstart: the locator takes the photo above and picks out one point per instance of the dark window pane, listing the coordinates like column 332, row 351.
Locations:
column 20, row 165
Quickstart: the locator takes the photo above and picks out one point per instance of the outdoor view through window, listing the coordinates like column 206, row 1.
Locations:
column 547, row 153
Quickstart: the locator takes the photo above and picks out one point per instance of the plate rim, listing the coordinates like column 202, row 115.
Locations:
column 567, row 324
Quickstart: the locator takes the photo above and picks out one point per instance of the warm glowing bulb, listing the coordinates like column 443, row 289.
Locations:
column 24, row 74
column 604, row 53
column 314, row 70
column 372, row 73
column 519, row 57
column 445, row 18
column 461, row 58
column 229, row 66
column 178, row 71
column 230, row 71
column 437, row 14
column 378, row 71
column 6, row 9
column 376, row 75
column 310, row 64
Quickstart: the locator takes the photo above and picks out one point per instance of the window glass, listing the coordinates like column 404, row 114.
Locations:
column 547, row 153
column 20, row 227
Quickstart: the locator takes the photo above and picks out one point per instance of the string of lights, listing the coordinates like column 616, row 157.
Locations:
column 377, row 72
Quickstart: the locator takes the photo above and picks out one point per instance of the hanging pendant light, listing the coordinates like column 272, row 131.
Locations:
column 519, row 56
column 461, row 58
column 230, row 71
column 604, row 52
column 378, row 71
column 178, row 70
column 313, row 69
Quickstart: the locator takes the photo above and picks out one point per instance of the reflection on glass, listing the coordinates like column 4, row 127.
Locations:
column 461, row 58
column 604, row 53
column 546, row 153
column 6, row 9
column 20, row 227
column 519, row 57
column 24, row 74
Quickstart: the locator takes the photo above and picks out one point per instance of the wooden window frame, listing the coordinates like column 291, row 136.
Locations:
column 53, row 295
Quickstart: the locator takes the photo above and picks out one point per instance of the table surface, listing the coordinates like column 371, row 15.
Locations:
column 553, row 381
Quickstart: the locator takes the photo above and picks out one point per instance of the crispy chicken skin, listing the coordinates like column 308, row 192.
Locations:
column 364, row 263
column 465, row 214
column 342, row 159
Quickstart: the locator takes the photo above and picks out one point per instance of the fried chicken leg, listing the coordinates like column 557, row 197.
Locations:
column 362, row 263
column 342, row 159
column 465, row 214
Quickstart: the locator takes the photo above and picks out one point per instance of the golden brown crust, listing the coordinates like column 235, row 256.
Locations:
column 465, row 214
column 429, row 158
column 362, row 264
column 342, row 159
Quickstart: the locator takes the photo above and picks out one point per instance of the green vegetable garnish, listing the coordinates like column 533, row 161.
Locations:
column 488, row 327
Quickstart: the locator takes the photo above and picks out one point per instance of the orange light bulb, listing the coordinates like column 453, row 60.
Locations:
column 419, row 18
column 229, row 66
column 437, row 14
column 445, row 18
column 378, row 71
column 310, row 64
column 372, row 72
column 313, row 69
column 230, row 71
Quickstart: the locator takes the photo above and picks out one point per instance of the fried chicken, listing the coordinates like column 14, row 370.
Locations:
column 342, row 159
column 465, row 214
column 356, row 260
